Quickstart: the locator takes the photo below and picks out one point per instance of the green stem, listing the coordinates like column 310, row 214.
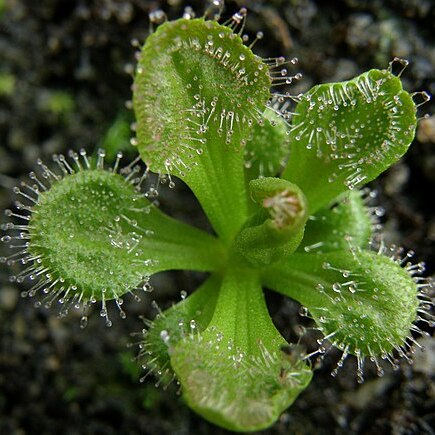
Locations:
column 218, row 183
column 241, row 314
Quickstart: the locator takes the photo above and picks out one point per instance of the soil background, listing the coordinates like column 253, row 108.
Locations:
column 64, row 83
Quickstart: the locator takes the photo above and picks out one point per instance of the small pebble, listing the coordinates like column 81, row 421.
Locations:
column 424, row 362
column 426, row 130
column 8, row 298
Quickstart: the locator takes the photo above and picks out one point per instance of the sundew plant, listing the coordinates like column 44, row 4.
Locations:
column 279, row 177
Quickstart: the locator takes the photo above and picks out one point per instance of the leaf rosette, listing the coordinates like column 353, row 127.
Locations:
column 201, row 101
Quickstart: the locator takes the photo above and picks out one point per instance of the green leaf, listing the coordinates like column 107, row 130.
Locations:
column 117, row 137
column 364, row 302
column 234, row 373
column 345, row 134
column 95, row 237
column 278, row 226
column 268, row 147
column 191, row 315
column 197, row 93
column 347, row 222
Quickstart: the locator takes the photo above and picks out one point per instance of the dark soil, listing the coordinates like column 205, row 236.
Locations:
column 58, row 379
